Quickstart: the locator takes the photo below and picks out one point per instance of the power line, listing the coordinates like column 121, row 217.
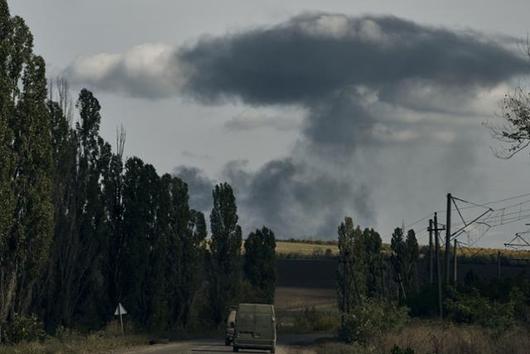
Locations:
column 510, row 198
column 478, row 205
column 519, row 237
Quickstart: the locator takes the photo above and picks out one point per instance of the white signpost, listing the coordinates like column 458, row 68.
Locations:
column 120, row 311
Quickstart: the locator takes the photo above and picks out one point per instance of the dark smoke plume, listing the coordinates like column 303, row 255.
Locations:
column 366, row 83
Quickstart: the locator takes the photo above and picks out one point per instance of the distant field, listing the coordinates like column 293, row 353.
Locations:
column 308, row 248
column 305, row 248
column 492, row 252
column 291, row 298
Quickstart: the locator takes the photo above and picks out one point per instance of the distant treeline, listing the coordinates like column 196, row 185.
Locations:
column 82, row 228
column 376, row 288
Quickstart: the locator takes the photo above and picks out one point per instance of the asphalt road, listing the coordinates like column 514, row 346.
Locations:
column 290, row 344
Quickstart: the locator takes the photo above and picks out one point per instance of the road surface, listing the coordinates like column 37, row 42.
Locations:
column 289, row 344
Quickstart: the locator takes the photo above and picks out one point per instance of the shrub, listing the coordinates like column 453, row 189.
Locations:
column 23, row 328
column 424, row 303
column 313, row 320
column 476, row 309
column 521, row 302
column 398, row 350
column 372, row 318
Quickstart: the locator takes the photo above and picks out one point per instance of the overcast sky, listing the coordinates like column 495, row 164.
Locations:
column 313, row 110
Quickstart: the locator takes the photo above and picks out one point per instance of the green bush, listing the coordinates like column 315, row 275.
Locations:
column 424, row 303
column 23, row 328
column 475, row 309
column 372, row 318
column 521, row 302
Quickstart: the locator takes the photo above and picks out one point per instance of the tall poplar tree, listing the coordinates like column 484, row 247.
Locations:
column 413, row 254
column 399, row 261
column 26, row 219
column 33, row 186
column 373, row 262
column 260, row 262
column 140, row 199
column 50, row 303
column 191, row 240
column 348, row 295
column 225, row 252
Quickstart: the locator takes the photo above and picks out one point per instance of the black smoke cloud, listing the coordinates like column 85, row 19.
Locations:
column 310, row 57
column 360, row 79
column 199, row 186
column 296, row 201
column 342, row 70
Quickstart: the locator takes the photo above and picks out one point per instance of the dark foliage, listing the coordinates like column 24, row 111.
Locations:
column 260, row 263
column 225, row 252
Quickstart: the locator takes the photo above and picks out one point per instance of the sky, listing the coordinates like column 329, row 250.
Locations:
column 312, row 110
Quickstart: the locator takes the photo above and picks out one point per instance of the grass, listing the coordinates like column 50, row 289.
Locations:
column 303, row 310
column 93, row 343
column 440, row 338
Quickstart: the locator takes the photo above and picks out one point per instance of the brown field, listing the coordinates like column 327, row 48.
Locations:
column 492, row 252
column 308, row 248
column 287, row 298
column 304, row 249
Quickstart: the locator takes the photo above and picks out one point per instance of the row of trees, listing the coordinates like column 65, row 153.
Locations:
column 26, row 166
column 365, row 270
column 82, row 228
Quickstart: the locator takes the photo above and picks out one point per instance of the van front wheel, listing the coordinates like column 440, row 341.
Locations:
column 235, row 349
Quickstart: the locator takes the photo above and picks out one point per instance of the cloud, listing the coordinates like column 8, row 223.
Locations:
column 381, row 99
column 278, row 118
column 303, row 59
column 195, row 156
column 312, row 56
column 149, row 70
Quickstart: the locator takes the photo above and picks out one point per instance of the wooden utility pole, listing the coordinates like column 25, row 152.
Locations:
column 431, row 277
column 455, row 265
column 448, row 239
column 438, row 272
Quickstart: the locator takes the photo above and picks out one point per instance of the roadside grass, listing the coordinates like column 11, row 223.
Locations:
column 99, row 342
column 108, row 340
column 439, row 338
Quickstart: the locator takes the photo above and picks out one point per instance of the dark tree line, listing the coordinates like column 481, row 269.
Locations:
column 365, row 270
column 361, row 268
column 26, row 206
column 82, row 228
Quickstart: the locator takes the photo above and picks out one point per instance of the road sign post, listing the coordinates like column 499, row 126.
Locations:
column 120, row 311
